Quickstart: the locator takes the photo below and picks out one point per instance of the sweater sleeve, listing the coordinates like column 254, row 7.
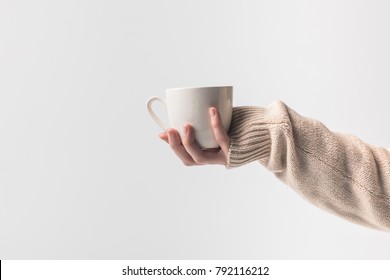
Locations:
column 336, row 172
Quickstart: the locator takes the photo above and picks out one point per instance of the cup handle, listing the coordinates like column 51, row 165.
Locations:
column 152, row 114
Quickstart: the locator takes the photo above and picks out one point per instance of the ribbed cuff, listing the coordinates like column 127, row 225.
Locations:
column 249, row 137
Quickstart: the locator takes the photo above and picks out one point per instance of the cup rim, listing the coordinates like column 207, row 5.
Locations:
column 201, row 87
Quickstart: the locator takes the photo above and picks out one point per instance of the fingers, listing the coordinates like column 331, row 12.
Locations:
column 198, row 155
column 191, row 146
column 220, row 133
column 164, row 136
column 176, row 145
column 189, row 151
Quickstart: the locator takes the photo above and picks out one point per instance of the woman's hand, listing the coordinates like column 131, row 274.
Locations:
column 189, row 151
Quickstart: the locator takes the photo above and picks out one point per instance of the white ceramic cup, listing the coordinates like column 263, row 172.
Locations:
column 191, row 105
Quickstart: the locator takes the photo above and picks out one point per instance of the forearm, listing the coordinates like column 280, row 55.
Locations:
column 333, row 171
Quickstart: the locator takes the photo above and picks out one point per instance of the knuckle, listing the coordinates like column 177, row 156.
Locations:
column 187, row 142
column 174, row 145
column 215, row 124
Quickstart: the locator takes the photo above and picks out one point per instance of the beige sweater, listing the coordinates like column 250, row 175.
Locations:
column 333, row 171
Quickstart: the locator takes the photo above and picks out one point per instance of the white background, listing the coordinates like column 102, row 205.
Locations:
column 83, row 174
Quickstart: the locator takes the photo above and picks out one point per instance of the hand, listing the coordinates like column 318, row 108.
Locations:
column 189, row 151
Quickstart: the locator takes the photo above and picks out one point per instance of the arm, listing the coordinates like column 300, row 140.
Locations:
column 336, row 172
column 333, row 171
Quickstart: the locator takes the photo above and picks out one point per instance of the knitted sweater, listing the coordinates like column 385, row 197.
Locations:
column 336, row 172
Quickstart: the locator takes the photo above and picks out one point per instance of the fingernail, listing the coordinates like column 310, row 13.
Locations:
column 185, row 129
column 212, row 112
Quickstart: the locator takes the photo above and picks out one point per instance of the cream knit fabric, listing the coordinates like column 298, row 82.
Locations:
column 333, row 171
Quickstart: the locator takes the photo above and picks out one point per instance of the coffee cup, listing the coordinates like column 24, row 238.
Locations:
column 191, row 105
